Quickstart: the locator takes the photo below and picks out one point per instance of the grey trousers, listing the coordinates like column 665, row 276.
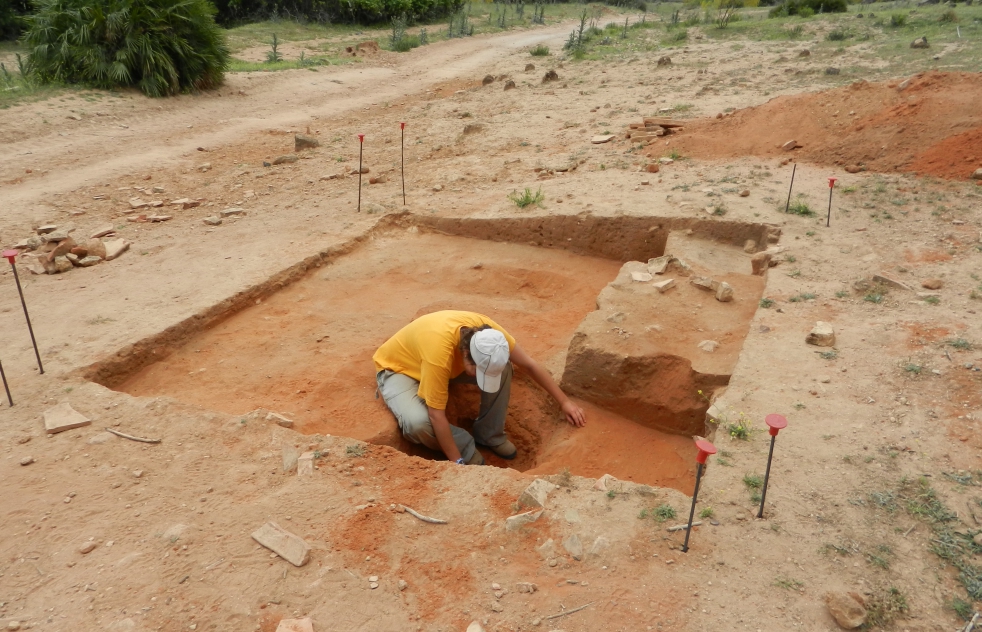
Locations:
column 400, row 394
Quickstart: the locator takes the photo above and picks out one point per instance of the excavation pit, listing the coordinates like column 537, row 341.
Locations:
column 301, row 343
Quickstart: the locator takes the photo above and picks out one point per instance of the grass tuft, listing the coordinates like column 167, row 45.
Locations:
column 527, row 198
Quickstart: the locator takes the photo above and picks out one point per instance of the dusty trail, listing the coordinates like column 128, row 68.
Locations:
column 118, row 138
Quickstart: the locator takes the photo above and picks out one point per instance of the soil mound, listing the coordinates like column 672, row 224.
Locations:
column 930, row 124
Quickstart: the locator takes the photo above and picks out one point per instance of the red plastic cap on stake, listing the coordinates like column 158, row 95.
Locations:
column 361, row 138
column 10, row 255
column 705, row 449
column 832, row 182
column 775, row 423
column 402, row 126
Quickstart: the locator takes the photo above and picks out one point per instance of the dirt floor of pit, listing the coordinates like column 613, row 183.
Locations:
column 930, row 124
column 306, row 351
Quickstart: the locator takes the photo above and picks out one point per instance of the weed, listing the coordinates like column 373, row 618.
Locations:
column 791, row 258
column 788, row 583
column 707, row 512
column 273, row 55
column 810, row 233
column 753, row 481
column 874, row 296
column 99, row 320
column 766, row 303
column 675, row 155
column 798, row 406
column 799, row 207
column 914, row 369
column 960, row 343
column 795, row 31
column 962, row 608
column 611, row 494
column 527, row 198
column 741, row 429
column 801, row 298
column 948, row 16
column 719, row 209
column 794, row 274
column 883, row 607
column 564, row 478
column 539, row 51
column 898, row 20
column 837, row 35
column 841, row 294
column 881, row 557
column 829, row 355
column 663, row 512
column 355, row 449
column 932, row 300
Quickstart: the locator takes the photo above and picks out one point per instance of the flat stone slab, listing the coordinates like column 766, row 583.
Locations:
column 516, row 522
column 601, row 139
column 116, row 247
column 290, row 547
column 63, row 417
column 296, row 625
column 535, row 494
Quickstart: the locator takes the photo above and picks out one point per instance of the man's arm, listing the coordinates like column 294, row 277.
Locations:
column 574, row 414
column 441, row 428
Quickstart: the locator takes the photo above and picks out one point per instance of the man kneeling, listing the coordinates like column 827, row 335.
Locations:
column 416, row 366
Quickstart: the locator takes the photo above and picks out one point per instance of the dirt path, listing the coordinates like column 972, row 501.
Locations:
column 131, row 134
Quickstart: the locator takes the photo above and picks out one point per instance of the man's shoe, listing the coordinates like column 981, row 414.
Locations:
column 506, row 450
column 477, row 459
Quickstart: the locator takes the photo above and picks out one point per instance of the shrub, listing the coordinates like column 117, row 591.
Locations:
column 539, row 51
column 837, row 35
column 527, row 198
column 808, row 8
column 898, row 20
column 12, row 14
column 162, row 47
column 948, row 16
column 232, row 12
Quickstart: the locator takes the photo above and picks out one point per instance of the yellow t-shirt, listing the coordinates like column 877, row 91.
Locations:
column 426, row 350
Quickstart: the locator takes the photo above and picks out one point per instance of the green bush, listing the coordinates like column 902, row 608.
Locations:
column 12, row 14
column 162, row 47
column 898, row 20
column 232, row 12
column 808, row 8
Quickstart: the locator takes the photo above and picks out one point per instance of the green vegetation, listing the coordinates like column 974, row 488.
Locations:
column 960, row 343
column 539, row 51
column 162, row 47
column 527, row 198
column 874, row 296
column 766, row 303
column 355, row 449
column 663, row 512
column 741, row 429
column 805, row 296
column 788, row 583
column 799, row 207
column 829, row 355
column 706, row 512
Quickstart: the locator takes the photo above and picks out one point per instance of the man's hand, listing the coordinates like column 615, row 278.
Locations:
column 574, row 414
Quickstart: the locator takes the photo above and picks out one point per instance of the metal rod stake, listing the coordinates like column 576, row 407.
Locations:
column 361, row 147
column 692, row 511
column 787, row 206
column 828, row 222
column 23, row 303
column 6, row 388
column 767, row 475
column 403, row 160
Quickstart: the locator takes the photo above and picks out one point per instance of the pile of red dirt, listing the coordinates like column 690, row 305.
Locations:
column 930, row 124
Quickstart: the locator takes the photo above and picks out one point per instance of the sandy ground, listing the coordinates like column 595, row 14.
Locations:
column 171, row 521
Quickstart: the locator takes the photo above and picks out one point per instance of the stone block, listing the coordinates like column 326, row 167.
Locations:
column 658, row 265
column 664, row 286
column 535, row 494
column 513, row 523
column 847, row 608
column 821, row 335
column 115, row 248
column 279, row 420
column 290, row 547
column 63, row 417
column 573, row 546
column 295, row 625
column 898, row 285
column 305, row 464
column 703, row 283
column 759, row 263
column 724, row 293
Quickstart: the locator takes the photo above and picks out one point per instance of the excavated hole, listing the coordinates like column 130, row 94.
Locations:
column 301, row 343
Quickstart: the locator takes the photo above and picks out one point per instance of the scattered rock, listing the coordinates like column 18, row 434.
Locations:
column 724, row 293
column 604, row 482
column 86, row 262
column 882, row 280
column 488, row 79
column 473, row 128
column 664, row 286
column 643, row 277
column 616, row 317
column 302, row 141
column 920, row 42
column 282, row 160
column 305, row 464
column 80, row 251
column 354, row 172
column 665, row 60
column 551, row 75
column 379, row 179
column 804, row 53
column 788, row 146
column 63, row 248
column 402, row 585
column 510, row 85
column 708, row 345
column 573, row 546
column 822, row 335
column 599, row 545
column 745, row 193
column 853, row 168
column 518, row 521
column 290, row 457
column 932, row 284
column 750, row 246
column 831, row 70
column 156, row 219
column 437, row 188
column 101, row 437
column 601, row 139
column 658, row 265
column 290, row 547
column 95, row 248
column 63, row 417
column 137, row 203
column 88, row 547
column 279, row 420
column 108, row 229
column 653, row 167
column 27, row 460
column 535, row 494
column 295, row 625
column 978, row 174
column 529, row 67
column 704, row 283
column 115, row 248
column 212, row 220
column 47, row 228
column 526, row 587
column 665, row 160
column 847, row 608
column 475, row 627
column 497, row 607
column 59, row 265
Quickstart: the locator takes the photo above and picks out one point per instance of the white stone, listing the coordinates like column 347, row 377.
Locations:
column 116, row 247
column 535, row 494
column 287, row 545
column 658, row 265
column 232, row 211
column 107, row 229
column 573, row 546
column 516, row 522
column 643, row 277
column 724, row 293
column 305, row 464
column 475, row 626
column 63, row 417
column 279, row 420
column 295, row 625
column 708, row 345
column 822, row 335
column 664, row 286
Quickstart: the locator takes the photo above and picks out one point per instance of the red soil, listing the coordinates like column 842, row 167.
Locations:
column 932, row 127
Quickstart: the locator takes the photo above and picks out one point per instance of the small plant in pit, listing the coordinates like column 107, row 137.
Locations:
column 932, row 300
column 741, row 429
column 874, row 296
column 799, row 207
column 837, row 35
column 527, row 198
column 611, row 494
column 766, row 303
column 962, row 608
column 798, row 406
column 794, row 274
column 841, row 294
column 788, row 583
column 884, row 606
column 663, row 512
column 913, row 369
column 355, row 449
column 273, row 55
column 828, row 355
column 801, row 298
column 960, row 343
column 707, row 512
column 719, row 209
column 539, row 51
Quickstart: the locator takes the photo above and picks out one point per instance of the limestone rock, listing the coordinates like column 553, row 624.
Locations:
column 703, row 283
column 599, row 545
column 96, row 248
column 643, row 277
column 899, row 285
column 103, row 231
column 290, row 547
column 115, row 248
column 235, row 210
column 63, row 248
column 760, row 262
column 978, row 174
column 822, row 335
column 60, row 264
column 87, row 548
column 526, row 587
column 680, row 266
column 551, row 75
column 664, row 286
column 295, row 625
column 658, row 265
column 708, row 345
column 601, row 139
column 573, row 546
column 305, row 464
column 724, row 293
column 213, row 220
column 279, row 420
column 282, row 160
column 920, row 42
column 302, row 141
column 63, row 417
column 788, row 146
column 510, row 85
column 847, row 608
column 475, row 626
column 513, row 523
column 86, row 262
column 488, row 79
column 535, row 494
column 750, row 246
column 932, row 284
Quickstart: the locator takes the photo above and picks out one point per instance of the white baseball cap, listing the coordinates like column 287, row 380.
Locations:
column 490, row 352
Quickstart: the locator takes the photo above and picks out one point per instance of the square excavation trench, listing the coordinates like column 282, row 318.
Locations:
column 301, row 343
